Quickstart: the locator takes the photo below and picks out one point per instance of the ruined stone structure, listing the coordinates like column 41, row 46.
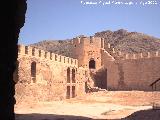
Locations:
column 93, row 65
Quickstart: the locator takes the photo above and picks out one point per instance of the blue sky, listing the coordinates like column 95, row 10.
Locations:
column 62, row 19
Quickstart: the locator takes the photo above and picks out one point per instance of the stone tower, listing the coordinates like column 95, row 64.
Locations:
column 88, row 51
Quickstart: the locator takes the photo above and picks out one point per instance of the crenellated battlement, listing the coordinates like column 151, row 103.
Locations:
column 99, row 42
column 126, row 56
column 111, row 50
column 42, row 54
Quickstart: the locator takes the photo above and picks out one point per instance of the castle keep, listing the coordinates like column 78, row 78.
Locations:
column 93, row 64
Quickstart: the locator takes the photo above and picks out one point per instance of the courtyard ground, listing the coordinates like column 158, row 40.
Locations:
column 127, row 105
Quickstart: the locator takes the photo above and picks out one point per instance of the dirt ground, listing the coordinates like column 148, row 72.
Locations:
column 127, row 105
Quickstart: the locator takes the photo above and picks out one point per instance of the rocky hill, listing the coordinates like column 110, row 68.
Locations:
column 128, row 42
column 62, row 47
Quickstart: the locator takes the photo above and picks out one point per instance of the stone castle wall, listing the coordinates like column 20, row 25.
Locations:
column 60, row 77
column 140, row 73
column 54, row 76
column 133, row 71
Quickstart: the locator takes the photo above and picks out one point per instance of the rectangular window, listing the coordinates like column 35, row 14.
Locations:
column 50, row 55
column 33, row 51
column 45, row 55
column 26, row 49
column 59, row 58
column 64, row 60
column 55, row 57
column 39, row 53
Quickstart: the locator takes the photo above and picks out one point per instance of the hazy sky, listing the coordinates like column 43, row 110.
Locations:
column 62, row 19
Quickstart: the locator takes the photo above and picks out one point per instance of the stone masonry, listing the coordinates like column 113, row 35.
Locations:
column 93, row 65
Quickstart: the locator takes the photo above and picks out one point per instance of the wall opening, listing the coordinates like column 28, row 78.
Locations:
column 26, row 49
column 68, row 92
column 39, row 53
column 33, row 51
column 92, row 64
column 45, row 55
column 50, row 56
column 73, row 91
column 33, row 71
column 59, row 58
column 55, row 57
column 68, row 75
column 73, row 76
column 64, row 59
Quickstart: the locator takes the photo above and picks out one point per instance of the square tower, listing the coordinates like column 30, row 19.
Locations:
column 88, row 51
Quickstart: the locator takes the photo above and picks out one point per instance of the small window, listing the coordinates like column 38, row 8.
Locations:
column 50, row 55
column 71, row 61
column 55, row 57
column 92, row 64
column 39, row 53
column 64, row 59
column 26, row 49
column 33, row 71
column 33, row 51
column 45, row 55
column 59, row 58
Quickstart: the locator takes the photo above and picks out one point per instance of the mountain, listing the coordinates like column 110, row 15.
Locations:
column 122, row 40
column 62, row 47
column 130, row 42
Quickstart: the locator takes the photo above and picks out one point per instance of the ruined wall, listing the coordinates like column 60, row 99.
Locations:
column 49, row 79
column 86, row 49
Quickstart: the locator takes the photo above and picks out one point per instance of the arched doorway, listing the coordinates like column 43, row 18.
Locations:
column 92, row 64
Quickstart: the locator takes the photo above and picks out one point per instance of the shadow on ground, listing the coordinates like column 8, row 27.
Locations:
column 139, row 115
column 144, row 115
column 35, row 116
